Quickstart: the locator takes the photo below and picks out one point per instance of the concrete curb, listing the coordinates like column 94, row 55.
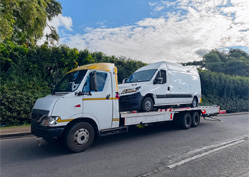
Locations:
column 15, row 132
column 231, row 114
column 15, row 135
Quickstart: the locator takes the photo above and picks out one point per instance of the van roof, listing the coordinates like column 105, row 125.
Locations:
column 156, row 65
column 170, row 66
column 97, row 66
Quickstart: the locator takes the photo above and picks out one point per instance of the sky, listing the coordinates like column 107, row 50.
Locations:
column 154, row 30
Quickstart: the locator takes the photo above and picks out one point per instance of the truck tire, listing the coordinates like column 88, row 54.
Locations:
column 147, row 104
column 79, row 137
column 195, row 119
column 194, row 102
column 185, row 121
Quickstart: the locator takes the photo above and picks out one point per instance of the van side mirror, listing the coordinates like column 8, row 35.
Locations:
column 158, row 80
column 93, row 81
column 124, row 80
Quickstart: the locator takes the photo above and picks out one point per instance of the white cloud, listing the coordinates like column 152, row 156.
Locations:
column 56, row 22
column 61, row 21
column 174, row 37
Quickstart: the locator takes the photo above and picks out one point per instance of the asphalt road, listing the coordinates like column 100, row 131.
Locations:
column 214, row 148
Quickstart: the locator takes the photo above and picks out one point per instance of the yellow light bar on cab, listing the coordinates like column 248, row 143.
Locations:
column 97, row 66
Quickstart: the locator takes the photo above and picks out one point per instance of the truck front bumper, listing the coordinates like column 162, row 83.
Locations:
column 47, row 133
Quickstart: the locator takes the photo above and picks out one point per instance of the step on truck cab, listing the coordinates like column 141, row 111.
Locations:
column 85, row 105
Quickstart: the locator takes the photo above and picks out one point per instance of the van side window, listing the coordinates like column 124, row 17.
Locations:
column 161, row 77
column 101, row 79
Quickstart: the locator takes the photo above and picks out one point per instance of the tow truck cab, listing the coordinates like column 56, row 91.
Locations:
column 88, row 92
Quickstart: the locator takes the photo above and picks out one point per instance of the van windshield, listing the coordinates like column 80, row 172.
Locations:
column 70, row 82
column 141, row 76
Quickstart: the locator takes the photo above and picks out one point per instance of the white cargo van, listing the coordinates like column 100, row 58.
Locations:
column 160, row 84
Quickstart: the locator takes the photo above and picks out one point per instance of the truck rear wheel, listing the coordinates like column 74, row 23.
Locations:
column 185, row 121
column 147, row 104
column 195, row 119
column 79, row 137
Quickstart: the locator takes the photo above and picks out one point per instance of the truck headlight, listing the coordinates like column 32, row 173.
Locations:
column 130, row 90
column 49, row 120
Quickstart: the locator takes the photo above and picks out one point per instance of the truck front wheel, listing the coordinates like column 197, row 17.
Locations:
column 79, row 137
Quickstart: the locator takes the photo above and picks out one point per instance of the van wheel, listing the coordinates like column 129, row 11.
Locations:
column 195, row 119
column 194, row 103
column 79, row 137
column 185, row 121
column 147, row 104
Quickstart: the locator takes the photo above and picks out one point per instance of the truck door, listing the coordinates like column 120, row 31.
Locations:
column 99, row 103
column 163, row 88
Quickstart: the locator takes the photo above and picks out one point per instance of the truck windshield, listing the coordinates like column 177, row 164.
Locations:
column 70, row 82
column 141, row 76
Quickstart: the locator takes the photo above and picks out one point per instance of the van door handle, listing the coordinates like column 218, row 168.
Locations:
column 108, row 96
column 168, row 88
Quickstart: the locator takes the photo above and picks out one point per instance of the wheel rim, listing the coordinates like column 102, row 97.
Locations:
column 188, row 120
column 194, row 103
column 196, row 119
column 147, row 105
column 81, row 136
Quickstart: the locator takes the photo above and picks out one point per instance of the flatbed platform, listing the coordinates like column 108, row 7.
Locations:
column 161, row 115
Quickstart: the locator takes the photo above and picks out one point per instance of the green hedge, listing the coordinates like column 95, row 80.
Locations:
column 49, row 64
column 224, row 86
column 229, row 92
column 228, row 104
column 17, row 100
column 27, row 72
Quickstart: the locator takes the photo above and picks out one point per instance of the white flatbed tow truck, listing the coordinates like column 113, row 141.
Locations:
column 85, row 105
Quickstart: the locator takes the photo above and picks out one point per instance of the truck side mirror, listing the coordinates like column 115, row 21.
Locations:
column 93, row 81
column 124, row 80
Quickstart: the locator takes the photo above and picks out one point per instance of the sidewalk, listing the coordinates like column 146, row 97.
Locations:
column 15, row 132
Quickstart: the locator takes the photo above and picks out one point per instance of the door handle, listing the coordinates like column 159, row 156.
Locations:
column 108, row 96
column 168, row 88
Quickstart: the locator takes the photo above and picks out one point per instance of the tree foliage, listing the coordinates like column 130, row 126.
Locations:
column 229, row 92
column 49, row 64
column 17, row 100
column 23, row 21
column 224, row 86
column 27, row 72
column 234, row 63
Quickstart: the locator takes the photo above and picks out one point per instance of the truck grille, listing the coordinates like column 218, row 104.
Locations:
column 38, row 114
